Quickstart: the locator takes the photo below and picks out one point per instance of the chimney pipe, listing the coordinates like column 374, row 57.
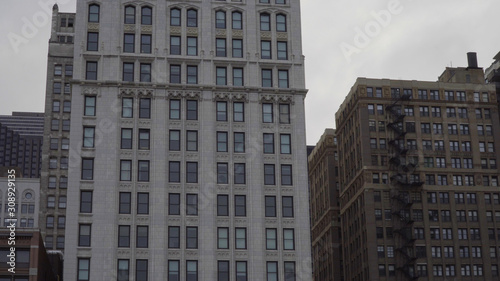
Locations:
column 472, row 59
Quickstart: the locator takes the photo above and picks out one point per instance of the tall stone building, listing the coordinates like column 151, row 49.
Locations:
column 419, row 178
column 325, row 209
column 55, row 151
column 21, row 138
column 187, row 156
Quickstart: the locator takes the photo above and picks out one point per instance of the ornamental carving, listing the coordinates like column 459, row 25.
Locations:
column 146, row 28
column 265, row 35
column 282, row 35
column 237, row 33
column 192, row 31
column 230, row 97
column 276, row 98
column 175, row 30
column 129, row 27
column 90, row 91
column 220, row 33
column 192, row 95
column 91, row 26
column 145, row 92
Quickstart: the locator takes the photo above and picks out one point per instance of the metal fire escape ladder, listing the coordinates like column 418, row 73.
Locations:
column 401, row 185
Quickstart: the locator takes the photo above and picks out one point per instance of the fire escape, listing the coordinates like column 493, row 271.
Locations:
column 402, row 182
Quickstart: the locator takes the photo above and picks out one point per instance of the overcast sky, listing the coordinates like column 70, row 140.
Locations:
column 342, row 40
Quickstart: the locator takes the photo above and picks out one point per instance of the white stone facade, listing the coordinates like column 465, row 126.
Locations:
column 106, row 152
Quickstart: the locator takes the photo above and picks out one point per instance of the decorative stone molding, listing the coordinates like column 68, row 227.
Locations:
column 91, row 26
column 224, row 254
column 265, row 35
column 192, row 95
column 91, row 91
column 237, row 33
column 125, row 154
column 271, row 255
column 241, row 255
column 192, row 31
column 222, row 188
column 129, row 27
column 222, row 96
column 174, row 154
column 175, row 30
column 124, row 219
column 191, row 253
column 174, row 253
column 282, row 35
column 146, row 29
column 144, row 154
column 143, row 186
column 222, row 221
column 123, row 253
column 220, row 33
column 127, row 122
column 276, row 98
column 125, row 185
column 174, row 220
column 285, row 127
column 142, row 219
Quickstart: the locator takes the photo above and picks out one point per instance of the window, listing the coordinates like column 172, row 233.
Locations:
column 222, row 142
column 223, row 271
column 142, row 203
column 286, row 175
column 56, row 106
column 237, row 77
column 175, row 74
column 129, row 43
column 87, row 169
column 67, row 106
column 282, row 51
column 84, row 235
column 144, row 139
column 283, row 78
column 267, row 79
column 191, row 237
column 192, row 18
column 265, row 49
column 143, row 171
column 88, row 136
column 239, row 173
column 175, row 17
column 220, row 19
column 145, row 72
column 57, row 87
column 222, row 238
column 91, row 70
column 174, row 237
column 123, row 270
column 127, row 107
column 85, row 201
column 145, row 43
column 222, row 205
column 272, row 271
column 268, row 143
column 174, row 204
column 191, row 270
column 173, row 270
column 220, row 44
column 65, row 125
column 284, row 114
column 142, row 237
column 237, row 48
column 175, row 45
column 265, row 22
column 126, row 139
column 267, row 112
column 270, row 206
column 192, row 204
column 146, row 15
column 174, row 171
column 93, row 13
column 271, row 239
column 124, row 236
column 240, row 209
column 192, row 46
column 125, row 203
column 191, row 172
column 269, row 174
column 192, row 110
column 49, row 223
column 84, row 264
column 280, row 23
column 288, row 239
column 175, row 109
column 239, row 142
column 237, row 22
column 240, row 238
column 192, row 141
column 141, row 271
column 129, row 15
column 221, row 78
column 92, row 41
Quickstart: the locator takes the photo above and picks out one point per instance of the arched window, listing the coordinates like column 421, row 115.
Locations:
column 192, row 18
column 175, row 17
column 129, row 15
column 265, row 22
column 94, row 13
column 237, row 22
column 220, row 19
column 146, row 15
column 280, row 23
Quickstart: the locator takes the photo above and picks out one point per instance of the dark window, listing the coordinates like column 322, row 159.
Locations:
column 127, row 107
column 85, row 201
column 125, row 203
column 145, row 72
column 282, row 51
column 221, row 111
column 126, row 139
column 83, row 266
column 142, row 203
column 220, row 47
column 175, row 74
column 93, row 13
column 239, row 173
column 141, row 270
column 265, row 49
column 237, row 22
column 191, row 172
column 87, row 168
column 174, row 171
column 143, row 171
column 174, row 204
column 265, row 22
column 129, row 43
column 174, row 140
column 192, row 74
column 123, row 270
column 283, row 79
column 238, row 112
column 222, row 173
column 191, row 237
column 124, row 236
column 222, row 205
column 220, row 19
column 125, row 170
column 287, row 206
column 175, row 109
column 221, row 78
column 239, row 142
column 191, row 270
column 146, row 43
column 237, row 76
column 270, row 202
column 92, row 41
column 173, row 270
column 91, row 73
column 145, row 108
column 144, row 138
column 223, row 271
column 271, row 241
column 174, row 237
column 142, row 237
column 84, row 235
column 269, row 174
column 237, row 48
column 175, row 17
column 192, row 46
column 280, row 23
column 192, row 18
column 146, row 15
column 192, row 204
column 267, row 78
column 129, row 15
column 269, row 143
column 192, row 141
column 286, row 175
column 240, row 209
column 175, row 45
column 192, row 110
